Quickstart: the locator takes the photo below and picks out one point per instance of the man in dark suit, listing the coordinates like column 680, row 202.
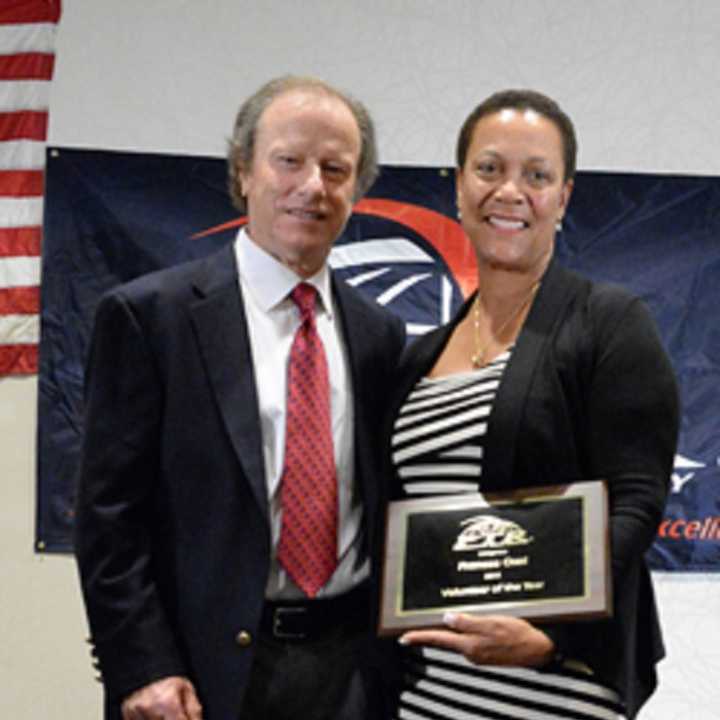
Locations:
column 205, row 453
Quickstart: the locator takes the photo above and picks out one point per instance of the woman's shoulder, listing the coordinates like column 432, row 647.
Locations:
column 600, row 301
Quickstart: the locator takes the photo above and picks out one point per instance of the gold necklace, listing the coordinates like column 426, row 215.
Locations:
column 478, row 357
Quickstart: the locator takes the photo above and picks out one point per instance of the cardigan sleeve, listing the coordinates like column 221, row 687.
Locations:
column 632, row 421
column 624, row 404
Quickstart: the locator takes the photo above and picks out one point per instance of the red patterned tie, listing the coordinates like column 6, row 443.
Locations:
column 308, row 537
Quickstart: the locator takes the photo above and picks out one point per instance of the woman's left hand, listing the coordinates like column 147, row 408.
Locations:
column 488, row 640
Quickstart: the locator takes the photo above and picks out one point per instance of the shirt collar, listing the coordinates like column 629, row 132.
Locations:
column 269, row 281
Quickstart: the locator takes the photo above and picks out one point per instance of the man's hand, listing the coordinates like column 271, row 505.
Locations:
column 172, row 698
column 488, row 640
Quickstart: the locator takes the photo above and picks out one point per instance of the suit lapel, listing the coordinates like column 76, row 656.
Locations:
column 222, row 334
column 358, row 332
column 352, row 317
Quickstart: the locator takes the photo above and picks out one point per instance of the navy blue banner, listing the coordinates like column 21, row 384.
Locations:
column 110, row 217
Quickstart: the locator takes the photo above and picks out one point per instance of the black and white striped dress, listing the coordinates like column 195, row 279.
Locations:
column 438, row 449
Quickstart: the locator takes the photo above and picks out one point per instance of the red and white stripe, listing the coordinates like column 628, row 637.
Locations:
column 27, row 42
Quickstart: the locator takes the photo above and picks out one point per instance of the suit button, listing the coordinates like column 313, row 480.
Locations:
column 243, row 638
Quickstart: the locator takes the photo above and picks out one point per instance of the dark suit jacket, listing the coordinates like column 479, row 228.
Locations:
column 172, row 529
column 588, row 393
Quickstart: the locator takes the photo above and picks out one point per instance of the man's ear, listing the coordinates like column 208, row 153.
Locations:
column 241, row 180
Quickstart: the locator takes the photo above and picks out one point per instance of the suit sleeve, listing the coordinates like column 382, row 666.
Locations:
column 116, row 505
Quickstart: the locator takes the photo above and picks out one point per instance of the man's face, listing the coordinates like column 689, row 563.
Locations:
column 300, row 187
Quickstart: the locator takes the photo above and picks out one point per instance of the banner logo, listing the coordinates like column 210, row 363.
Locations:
column 684, row 472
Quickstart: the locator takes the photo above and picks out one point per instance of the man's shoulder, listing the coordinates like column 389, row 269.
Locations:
column 175, row 280
column 368, row 324
column 350, row 296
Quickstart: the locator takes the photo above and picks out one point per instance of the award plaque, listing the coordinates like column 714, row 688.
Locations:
column 539, row 553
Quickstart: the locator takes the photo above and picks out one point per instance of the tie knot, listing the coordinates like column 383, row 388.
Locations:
column 304, row 296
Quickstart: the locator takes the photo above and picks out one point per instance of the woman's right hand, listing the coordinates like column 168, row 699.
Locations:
column 488, row 640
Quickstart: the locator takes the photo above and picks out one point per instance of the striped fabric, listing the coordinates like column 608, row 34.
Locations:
column 438, row 449
column 442, row 685
column 437, row 439
column 27, row 39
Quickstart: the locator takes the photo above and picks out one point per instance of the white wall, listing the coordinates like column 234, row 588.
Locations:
column 638, row 78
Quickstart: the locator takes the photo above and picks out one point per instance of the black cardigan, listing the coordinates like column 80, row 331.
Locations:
column 589, row 393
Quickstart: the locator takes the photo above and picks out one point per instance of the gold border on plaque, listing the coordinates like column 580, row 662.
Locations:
column 593, row 600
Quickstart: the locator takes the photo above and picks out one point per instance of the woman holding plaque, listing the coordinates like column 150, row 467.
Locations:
column 543, row 378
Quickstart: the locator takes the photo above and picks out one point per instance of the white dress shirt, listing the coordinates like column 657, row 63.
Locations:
column 272, row 319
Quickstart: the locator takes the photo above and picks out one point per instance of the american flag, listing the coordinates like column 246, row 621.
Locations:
column 27, row 41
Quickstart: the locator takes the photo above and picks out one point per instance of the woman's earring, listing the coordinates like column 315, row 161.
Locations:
column 558, row 225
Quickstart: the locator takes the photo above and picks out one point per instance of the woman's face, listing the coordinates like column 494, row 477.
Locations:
column 511, row 191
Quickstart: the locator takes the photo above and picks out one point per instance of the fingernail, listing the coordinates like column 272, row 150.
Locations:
column 450, row 618
column 403, row 640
